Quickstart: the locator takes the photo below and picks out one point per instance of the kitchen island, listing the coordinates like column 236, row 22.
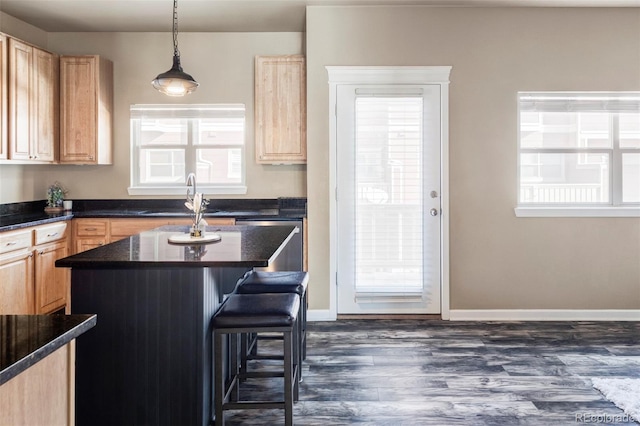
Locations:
column 36, row 367
column 149, row 360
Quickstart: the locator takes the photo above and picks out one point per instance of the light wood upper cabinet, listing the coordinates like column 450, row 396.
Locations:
column 280, row 109
column 86, row 110
column 33, row 102
column 46, row 105
column 3, row 98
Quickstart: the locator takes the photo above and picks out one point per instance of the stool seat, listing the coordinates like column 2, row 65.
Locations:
column 242, row 314
column 258, row 310
column 274, row 282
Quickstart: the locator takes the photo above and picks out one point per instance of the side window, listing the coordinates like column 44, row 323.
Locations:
column 579, row 149
column 170, row 141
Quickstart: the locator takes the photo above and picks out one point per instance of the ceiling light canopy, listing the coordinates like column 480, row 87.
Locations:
column 175, row 82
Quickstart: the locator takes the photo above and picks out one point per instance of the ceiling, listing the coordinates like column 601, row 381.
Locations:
column 221, row 15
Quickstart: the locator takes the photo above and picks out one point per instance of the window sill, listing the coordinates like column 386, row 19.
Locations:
column 205, row 190
column 577, row 211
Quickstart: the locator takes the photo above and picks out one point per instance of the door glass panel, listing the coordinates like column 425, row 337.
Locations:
column 389, row 187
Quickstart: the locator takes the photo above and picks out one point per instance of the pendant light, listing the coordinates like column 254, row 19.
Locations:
column 175, row 82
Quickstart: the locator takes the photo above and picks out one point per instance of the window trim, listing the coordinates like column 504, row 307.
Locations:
column 186, row 111
column 615, row 208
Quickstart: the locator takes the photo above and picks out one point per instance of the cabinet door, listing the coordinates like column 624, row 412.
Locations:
column 78, row 112
column 45, row 87
column 16, row 284
column 20, row 100
column 3, row 98
column 280, row 109
column 51, row 283
column 90, row 233
column 86, row 110
column 84, row 244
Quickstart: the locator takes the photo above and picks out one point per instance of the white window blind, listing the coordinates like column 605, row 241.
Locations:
column 388, row 210
column 579, row 148
column 170, row 141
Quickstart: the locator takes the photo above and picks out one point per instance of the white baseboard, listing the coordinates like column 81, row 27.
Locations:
column 321, row 315
column 544, row 315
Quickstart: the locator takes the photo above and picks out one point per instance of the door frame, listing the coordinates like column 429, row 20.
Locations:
column 390, row 75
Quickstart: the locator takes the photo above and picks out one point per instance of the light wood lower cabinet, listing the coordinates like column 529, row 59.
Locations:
column 43, row 394
column 52, row 284
column 29, row 281
column 91, row 233
column 16, row 283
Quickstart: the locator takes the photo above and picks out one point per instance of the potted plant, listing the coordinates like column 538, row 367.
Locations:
column 55, row 197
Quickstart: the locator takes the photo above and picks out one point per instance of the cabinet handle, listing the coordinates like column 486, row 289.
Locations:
column 11, row 243
column 41, row 252
column 52, row 235
column 90, row 229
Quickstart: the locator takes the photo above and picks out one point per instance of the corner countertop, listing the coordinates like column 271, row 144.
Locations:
column 239, row 246
column 26, row 339
column 22, row 215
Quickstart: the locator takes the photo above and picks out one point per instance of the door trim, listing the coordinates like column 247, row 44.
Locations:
column 391, row 75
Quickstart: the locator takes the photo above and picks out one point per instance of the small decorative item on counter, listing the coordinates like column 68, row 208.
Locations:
column 55, row 197
column 197, row 204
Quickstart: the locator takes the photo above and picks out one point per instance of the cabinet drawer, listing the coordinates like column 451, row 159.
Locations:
column 15, row 240
column 49, row 233
column 91, row 228
column 121, row 228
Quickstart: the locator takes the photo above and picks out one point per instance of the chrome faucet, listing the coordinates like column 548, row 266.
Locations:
column 191, row 181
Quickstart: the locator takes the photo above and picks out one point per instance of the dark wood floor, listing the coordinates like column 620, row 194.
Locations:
column 431, row 372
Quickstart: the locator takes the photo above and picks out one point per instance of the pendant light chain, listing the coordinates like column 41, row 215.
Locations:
column 175, row 28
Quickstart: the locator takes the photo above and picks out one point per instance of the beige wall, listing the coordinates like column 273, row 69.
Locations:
column 223, row 65
column 498, row 261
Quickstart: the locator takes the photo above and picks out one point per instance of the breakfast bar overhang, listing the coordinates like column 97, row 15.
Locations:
column 148, row 361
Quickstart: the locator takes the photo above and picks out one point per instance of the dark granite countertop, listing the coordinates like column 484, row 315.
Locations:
column 17, row 221
column 26, row 339
column 246, row 246
column 22, row 215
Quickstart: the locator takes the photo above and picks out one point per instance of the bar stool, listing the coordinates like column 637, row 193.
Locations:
column 255, row 313
column 256, row 282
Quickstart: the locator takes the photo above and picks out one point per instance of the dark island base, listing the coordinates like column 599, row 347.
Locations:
column 148, row 361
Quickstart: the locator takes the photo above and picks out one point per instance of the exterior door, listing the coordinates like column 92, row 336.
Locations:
column 388, row 199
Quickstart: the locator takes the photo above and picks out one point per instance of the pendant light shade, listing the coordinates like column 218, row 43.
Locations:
column 175, row 82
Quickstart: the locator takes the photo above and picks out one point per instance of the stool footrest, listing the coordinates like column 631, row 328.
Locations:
column 271, row 357
column 241, row 405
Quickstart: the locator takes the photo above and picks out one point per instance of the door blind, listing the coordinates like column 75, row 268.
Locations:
column 388, row 211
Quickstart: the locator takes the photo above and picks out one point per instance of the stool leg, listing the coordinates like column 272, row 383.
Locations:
column 304, row 324
column 218, row 379
column 244, row 354
column 298, row 343
column 233, row 349
column 288, row 378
